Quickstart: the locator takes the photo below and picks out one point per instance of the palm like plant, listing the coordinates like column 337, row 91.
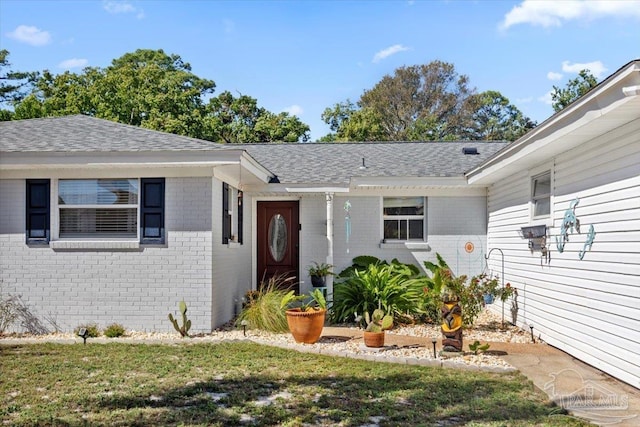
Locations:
column 395, row 288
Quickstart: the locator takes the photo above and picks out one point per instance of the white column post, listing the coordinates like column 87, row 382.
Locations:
column 329, row 200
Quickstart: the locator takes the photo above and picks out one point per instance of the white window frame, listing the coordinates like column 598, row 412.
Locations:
column 406, row 218
column 57, row 207
column 535, row 174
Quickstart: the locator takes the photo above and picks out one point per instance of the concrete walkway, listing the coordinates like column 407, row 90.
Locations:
column 583, row 390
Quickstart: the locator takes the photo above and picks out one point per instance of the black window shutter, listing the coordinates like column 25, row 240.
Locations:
column 38, row 212
column 226, row 218
column 152, row 211
column 240, row 214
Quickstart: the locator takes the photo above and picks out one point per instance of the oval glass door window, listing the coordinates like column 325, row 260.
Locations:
column 277, row 237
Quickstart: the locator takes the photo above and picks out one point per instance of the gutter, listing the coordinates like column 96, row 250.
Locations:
column 555, row 122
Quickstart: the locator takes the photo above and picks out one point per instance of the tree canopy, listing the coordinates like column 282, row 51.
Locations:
column 575, row 88
column 426, row 102
column 152, row 89
column 14, row 85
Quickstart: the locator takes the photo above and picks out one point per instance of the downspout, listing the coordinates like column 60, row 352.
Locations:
column 329, row 200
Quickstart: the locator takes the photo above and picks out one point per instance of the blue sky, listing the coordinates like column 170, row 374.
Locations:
column 305, row 56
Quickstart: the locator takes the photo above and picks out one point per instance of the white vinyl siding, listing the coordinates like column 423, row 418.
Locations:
column 589, row 308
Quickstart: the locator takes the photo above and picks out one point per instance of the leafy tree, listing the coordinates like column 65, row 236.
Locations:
column 238, row 120
column 495, row 119
column 14, row 85
column 434, row 95
column 152, row 89
column 425, row 103
column 575, row 88
column 353, row 124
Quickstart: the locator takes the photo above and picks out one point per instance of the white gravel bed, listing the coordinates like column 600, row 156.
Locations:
column 339, row 346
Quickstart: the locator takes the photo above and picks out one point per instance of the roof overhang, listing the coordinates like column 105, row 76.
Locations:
column 235, row 166
column 408, row 182
column 613, row 103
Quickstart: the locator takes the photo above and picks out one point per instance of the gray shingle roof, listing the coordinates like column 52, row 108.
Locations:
column 336, row 163
column 82, row 133
column 310, row 163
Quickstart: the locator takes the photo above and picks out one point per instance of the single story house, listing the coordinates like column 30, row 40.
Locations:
column 104, row 222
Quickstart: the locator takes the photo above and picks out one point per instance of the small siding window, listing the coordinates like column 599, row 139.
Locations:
column 98, row 208
column 232, row 213
column 403, row 218
column 541, row 194
column 152, row 211
column 37, row 228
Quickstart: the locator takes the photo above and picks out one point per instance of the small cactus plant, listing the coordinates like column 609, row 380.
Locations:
column 378, row 321
column 477, row 348
column 186, row 323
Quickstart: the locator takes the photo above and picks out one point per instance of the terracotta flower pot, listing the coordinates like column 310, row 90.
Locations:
column 306, row 326
column 374, row 339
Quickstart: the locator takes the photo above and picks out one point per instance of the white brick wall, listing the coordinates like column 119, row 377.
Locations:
column 451, row 222
column 136, row 288
column 232, row 272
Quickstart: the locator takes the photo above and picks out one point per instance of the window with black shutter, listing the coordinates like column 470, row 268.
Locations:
column 37, row 215
column 152, row 229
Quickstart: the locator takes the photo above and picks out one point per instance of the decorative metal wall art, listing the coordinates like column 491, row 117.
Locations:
column 571, row 222
column 347, row 220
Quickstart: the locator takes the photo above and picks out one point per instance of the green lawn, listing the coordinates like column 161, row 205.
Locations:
column 249, row 384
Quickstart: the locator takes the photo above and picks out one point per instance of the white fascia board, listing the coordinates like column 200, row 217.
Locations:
column 428, row 181
column 22, row 160
column 322, row 190
column 175, row 163
column 576, row 116
column 256, row 169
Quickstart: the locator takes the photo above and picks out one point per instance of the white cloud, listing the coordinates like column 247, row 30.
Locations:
column 294, row 110
column 118, row 6
column 73, row 63
column 552, row 13
column 551, row 75
column 546, row 98
column 596, row 68
column 391, row 50
column 30, row 35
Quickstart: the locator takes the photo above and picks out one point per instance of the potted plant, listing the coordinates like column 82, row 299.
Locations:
column 377, row 323
column 305, row 315
column 318, row 273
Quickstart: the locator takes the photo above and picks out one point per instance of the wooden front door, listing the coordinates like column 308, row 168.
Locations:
column 278, row 233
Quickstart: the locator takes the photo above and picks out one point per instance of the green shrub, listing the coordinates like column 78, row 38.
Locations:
column 470, row 292
column 92, row 330
column 264, row 308
column 395, row 288
column 114, row 330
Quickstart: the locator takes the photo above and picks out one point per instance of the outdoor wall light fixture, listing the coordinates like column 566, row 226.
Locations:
column 84, row 334
column 434, row 340
column 533, row 340
column 244, row 327
column 240, row 196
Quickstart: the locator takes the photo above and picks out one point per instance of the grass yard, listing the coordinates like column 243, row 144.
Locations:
column 248, row 384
